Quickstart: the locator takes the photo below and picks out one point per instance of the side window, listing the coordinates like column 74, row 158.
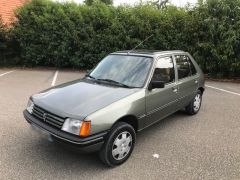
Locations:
column 164, row 70
column 192, row 67
column 183, row 66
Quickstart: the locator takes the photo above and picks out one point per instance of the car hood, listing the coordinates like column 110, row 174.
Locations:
column 78, row 99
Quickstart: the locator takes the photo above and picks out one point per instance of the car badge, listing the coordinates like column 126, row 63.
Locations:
column 44, row 116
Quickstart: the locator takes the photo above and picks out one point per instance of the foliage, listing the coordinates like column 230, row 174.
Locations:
column 70, row 35
column 2, row 37
column 90, row 2
column 218, row 36
column 161, row 4
column 8, row 47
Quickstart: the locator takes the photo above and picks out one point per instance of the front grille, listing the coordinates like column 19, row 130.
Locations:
column 47, row 117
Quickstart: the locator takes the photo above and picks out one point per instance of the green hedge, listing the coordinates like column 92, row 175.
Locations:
column 9, row 49
column 3, row 43
column 70, row 35
column 218, row 41
column 2, row 40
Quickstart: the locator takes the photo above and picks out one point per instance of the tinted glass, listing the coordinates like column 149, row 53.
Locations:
column 183, row 66
column 164, row 70
column 129, row 70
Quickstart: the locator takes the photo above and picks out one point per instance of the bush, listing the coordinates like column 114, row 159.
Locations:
column 218, row 43
column 3, row 46
column 70, row 35
column 9, row 50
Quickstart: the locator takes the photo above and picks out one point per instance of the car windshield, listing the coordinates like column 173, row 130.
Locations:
column 129, row 71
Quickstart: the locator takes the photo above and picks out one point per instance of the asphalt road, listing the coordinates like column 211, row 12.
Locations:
column 204, row 146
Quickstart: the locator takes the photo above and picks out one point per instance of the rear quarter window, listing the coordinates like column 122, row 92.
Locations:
column 192, row 67
column 185, row 66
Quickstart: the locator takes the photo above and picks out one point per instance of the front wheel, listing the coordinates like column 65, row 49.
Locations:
column 195, row 104
column 119, row 145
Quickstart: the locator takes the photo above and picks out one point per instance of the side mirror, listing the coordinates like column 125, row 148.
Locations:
column 156, row 85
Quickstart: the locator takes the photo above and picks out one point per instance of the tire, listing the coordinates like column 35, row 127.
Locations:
column 195, row 104
column 119, row 144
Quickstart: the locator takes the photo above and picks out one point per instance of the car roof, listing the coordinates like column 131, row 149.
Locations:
column 144, row 52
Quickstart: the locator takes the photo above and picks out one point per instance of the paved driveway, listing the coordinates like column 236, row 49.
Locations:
column 205, row 146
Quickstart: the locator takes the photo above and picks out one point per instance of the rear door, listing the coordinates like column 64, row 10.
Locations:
column 187, row 80
column 162, row 102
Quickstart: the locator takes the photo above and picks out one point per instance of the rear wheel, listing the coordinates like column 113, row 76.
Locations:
column 119, row 145
column 195, row 104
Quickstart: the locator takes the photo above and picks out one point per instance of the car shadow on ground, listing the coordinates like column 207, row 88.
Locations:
column 57, row 156
column 180, row 115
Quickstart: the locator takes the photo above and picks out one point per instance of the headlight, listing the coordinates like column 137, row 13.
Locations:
column 77, row 127
column 30, row 106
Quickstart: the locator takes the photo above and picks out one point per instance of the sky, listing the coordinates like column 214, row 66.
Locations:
column 131, row 2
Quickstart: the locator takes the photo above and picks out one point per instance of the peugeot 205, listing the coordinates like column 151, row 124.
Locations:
column 124, row 94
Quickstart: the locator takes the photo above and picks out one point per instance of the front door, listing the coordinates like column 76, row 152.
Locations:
column 162, row 102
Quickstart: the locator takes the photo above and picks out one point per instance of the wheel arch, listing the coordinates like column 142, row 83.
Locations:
column 130, row 119
column 201, row 89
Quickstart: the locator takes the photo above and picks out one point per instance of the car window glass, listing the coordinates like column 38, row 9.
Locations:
column 164, row 70
column 183, row 66
column 192, row 67
column 129, row 70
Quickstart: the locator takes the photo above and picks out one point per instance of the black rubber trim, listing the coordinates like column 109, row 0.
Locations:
column 93, row 139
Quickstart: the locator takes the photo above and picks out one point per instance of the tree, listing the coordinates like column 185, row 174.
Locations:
column 161, row 4
column 90, row 2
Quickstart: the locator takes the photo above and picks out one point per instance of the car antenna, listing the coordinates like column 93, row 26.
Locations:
column 140, row 43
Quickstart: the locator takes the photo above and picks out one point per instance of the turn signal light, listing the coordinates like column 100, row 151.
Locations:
column 85, row 129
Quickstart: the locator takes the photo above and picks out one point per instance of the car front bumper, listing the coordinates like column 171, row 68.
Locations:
column 88, row 144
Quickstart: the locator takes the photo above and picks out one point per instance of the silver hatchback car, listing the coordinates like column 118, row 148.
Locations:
column 124, row 94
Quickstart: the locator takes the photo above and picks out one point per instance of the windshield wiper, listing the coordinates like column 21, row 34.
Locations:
column 115, row 82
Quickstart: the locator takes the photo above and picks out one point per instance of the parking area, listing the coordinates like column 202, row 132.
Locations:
column 204, row 146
